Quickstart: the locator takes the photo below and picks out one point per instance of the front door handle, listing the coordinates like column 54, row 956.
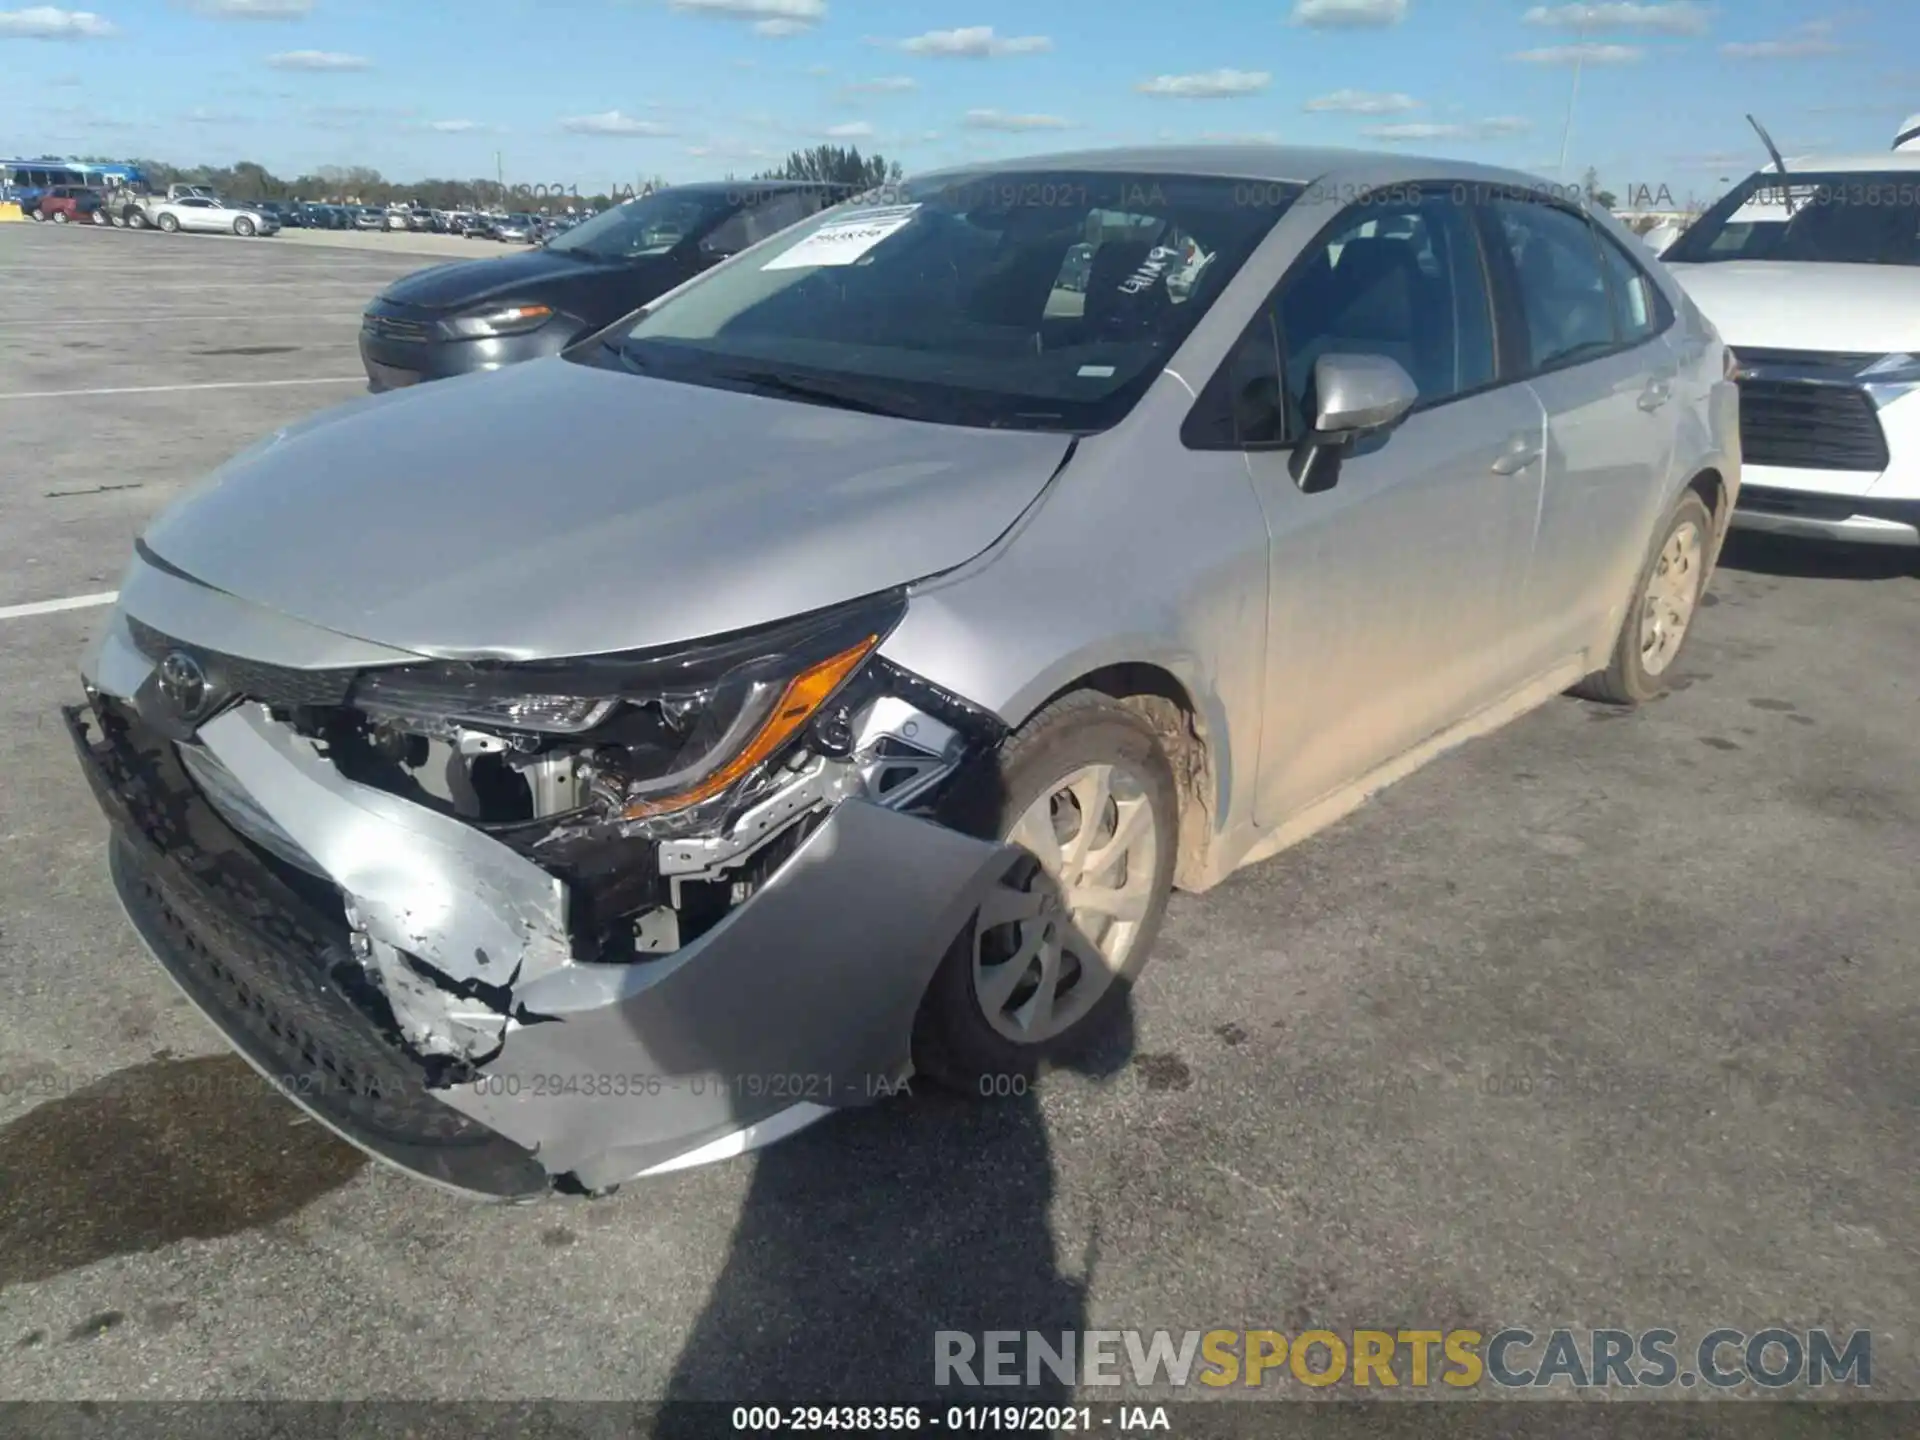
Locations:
column 1657, row 393
column 1521, row 452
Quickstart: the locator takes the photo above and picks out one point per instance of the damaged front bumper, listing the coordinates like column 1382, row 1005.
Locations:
column 417, row 983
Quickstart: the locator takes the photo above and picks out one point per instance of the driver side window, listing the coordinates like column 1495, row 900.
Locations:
column 756, row 223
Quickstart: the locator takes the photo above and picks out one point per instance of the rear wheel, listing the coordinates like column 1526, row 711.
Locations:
column 1660, row 612
column 136, row 220
column 169, row 224
column 39, row 216
column 1086, row 792
column 243, row 226
column 60, row 217
column 99, row 217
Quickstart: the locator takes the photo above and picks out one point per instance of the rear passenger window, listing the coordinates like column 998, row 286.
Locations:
column 1404, row 283
column 1563, row 286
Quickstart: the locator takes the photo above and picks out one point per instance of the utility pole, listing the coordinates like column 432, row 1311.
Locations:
column 1579, row 64
column 500, row 177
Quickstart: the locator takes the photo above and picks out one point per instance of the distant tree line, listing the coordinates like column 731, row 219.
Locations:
column 358, row 184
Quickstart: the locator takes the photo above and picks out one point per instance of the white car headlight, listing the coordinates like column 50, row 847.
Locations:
column 509, row 320
column 1892, row 376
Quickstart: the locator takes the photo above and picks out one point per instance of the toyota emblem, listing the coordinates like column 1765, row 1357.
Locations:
column 184, row 684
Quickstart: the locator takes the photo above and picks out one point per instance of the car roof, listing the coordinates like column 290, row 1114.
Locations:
column 756, row 187
column 1875, row 160
column 1294, row 164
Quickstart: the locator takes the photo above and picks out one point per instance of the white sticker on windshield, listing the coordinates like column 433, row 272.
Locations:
column 1096, row 372
column 843, row 240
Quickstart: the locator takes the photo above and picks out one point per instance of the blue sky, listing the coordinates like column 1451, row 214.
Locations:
column 589, row 93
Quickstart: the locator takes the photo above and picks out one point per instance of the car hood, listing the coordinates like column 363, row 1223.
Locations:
column 553, row 508
column 1796, row 305
column 461, row 283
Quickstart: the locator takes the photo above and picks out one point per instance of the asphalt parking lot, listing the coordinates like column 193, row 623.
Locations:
column 1606, row 1020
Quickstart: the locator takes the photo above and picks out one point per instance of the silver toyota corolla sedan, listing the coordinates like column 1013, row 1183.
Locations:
column 823, row 675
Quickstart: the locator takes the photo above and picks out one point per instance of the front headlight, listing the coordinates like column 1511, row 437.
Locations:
column 668, row 731
column 1892, row 376
column 505, row 320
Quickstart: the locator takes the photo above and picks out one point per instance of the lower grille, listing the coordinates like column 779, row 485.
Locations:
column 1800, row 504
column 274, row 971
column 1802, row 425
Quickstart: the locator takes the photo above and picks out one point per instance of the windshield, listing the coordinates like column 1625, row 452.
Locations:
column 1045, row 301
column 1844, row 218
column 650, row 225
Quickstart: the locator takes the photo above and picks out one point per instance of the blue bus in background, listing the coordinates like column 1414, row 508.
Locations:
column 25, row 181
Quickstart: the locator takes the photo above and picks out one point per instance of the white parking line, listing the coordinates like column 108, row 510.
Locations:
column 49, row 607
column 168, row 389
column 156, row 317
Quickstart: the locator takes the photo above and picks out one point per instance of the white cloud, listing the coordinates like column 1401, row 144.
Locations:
column 454, row 127
column 1362, row 102
column 1681, row 18
column 771, row 17
column 1348, row 14
column 318, row 60
column 1492, row 128
column 254, row 9
column 613, row 122
column 852, row 130
column 1581, row 54
column 199, row 115
column 729, row 150
column 886, row 85
column 1000, row 120
column 1239, row 137
column 1208, row 85
column 1813, row 38
column 44, row 22
column 974, row 42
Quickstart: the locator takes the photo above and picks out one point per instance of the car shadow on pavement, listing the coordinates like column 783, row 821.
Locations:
column 163, row 1151
column 862, row 1238
column 1795, row 559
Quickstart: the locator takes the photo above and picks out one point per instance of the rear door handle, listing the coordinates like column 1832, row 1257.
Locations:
column 1657, row 393
column 1521, row 452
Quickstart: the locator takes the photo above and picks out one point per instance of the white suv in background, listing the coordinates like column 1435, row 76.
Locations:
column 1822, row 309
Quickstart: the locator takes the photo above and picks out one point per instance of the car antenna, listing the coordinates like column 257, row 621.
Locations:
column 1778, row 164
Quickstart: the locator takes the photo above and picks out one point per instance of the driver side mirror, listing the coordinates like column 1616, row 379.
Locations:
column 1358, row 396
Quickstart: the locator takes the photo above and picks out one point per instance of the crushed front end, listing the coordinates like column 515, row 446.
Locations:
column 518, row 925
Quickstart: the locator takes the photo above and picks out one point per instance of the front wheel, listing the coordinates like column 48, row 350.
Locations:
column 60, row 217
column 169, row 224
column 1086, row 792
column 99, row 217
column 243, row 226
column 136, row 220
column 1660, row 611
column 39, row 216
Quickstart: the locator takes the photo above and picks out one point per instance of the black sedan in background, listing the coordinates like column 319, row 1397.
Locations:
column 481, row 314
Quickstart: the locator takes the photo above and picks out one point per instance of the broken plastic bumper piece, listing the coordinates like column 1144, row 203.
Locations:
column 423, row 986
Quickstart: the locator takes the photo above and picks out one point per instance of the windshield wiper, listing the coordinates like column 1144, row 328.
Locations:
column 815, row 391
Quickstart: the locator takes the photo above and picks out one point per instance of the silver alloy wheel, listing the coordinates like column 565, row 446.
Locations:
column 1057, row 929
column 1672, row 593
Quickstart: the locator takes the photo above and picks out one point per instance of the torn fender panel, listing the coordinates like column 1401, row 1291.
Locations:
column 417, row 880
column 805, row 994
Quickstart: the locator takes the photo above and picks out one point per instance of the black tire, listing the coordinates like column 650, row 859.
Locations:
column 243, row 226
column 60, row 217
column 137, row 220
column 954, row 1044
column 1625, row 681
column 39, row 217
column 119, row 222
column 99, row 217
column 170, row 225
